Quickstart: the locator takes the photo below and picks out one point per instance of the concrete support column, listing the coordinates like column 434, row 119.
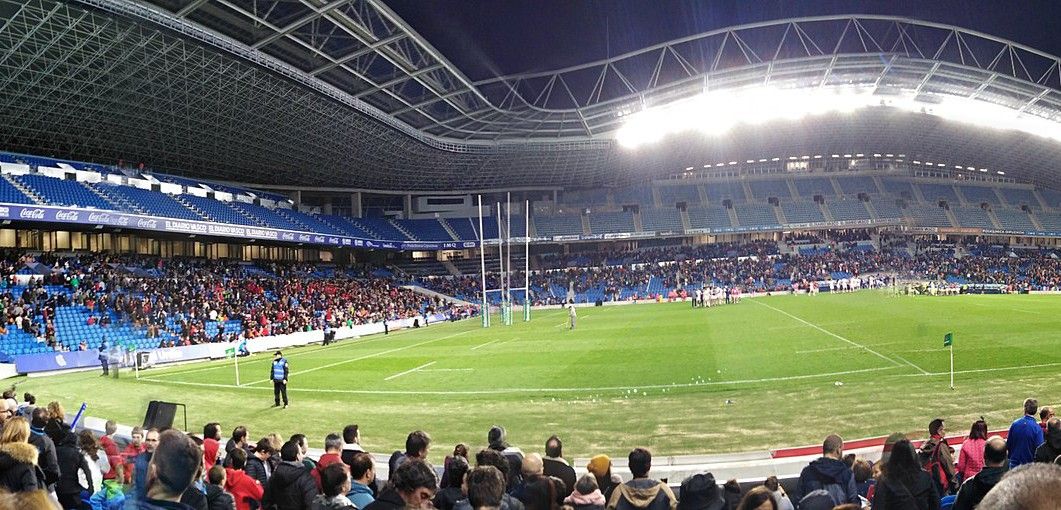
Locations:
column 355, row 204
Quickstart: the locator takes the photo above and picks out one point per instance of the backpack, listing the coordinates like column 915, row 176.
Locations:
column 931, row 463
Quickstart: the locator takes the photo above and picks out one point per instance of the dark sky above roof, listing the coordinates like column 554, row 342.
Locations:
column 486, row 38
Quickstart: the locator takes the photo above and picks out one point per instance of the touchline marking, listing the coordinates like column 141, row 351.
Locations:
column 530, row 390
column 367, row 356
column 411, row 370
column 487, row 343
column 830, row 333
column 839, row 348
column 447, row 370
column 980, row 370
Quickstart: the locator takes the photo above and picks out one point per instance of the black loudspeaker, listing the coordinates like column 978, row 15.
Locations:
column 160, row 415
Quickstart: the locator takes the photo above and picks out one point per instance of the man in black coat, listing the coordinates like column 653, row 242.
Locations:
column 47, row 460
column 410, row 486
column 995, row 464
column 291, row 487
column 1050, row 450
column 555, row 465
column 71, row 460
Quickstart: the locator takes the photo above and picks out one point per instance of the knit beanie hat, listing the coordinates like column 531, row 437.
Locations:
column 599, row 465
column 496, row 435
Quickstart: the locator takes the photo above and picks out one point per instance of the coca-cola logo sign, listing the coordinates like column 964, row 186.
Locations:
column 32, row 214
column 99, row 218
column 147, row 223
column 66, row 215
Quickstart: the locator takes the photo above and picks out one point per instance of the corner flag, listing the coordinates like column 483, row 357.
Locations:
column 948, row 339
column 230, row 352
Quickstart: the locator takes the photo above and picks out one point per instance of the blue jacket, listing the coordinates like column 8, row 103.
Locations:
column 1025, row 436
column 830, row 474
column 360, row 495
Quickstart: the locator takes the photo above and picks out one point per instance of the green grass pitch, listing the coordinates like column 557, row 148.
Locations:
column 756, row 375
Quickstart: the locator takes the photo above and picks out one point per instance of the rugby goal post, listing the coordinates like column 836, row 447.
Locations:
column 504, row 252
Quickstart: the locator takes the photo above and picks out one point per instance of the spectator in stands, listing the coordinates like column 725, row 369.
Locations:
column 780, row 497
column 587, row 495
column 363, row 475
column 940, row 457
column 195, row 495
column 258, row 465
column 417, row 445
column 72, row 468
column 238, row 440
column 700, row 492
column 489, row 457
column 109, row 445
column 971, row 458
column 1025, row 435
column 537, row 491
column 555, row 465
column 94, row 456
column 243, row 487
column 352, row 443
column 27, row 499
column 600, row 466
column 170, row 472
column 1032, row 487
column 486, row 488
column 412, row 485
column 976, row 487
column 216, row 496
column 18, row 458
column 333, row 444
column 29, row 404
column 211, row 435
column 211, row 453
column 1045, row 414
column 863, row 472
column 497, row 439
column 335, row 483
column 642, row 492
column 141, row 463
column 461, row 450
column 135, row 447
column 303, row 444
column 46, row 459
column 904, row 485
column 451, row 493
column 758, row 498
column 1050, row 450
column 291, row 487
column 830, row 473
column 56, row 428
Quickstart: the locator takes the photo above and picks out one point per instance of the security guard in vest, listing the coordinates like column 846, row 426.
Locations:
column 278, row 374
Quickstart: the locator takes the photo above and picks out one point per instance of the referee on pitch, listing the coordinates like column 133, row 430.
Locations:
column 278, row 374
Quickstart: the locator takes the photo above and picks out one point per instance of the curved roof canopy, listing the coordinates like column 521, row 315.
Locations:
column 345, row 93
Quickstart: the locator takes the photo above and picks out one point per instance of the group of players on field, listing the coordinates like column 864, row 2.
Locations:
column 714, row 296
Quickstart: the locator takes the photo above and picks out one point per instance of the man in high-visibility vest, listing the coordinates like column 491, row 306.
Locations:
column 278, row 374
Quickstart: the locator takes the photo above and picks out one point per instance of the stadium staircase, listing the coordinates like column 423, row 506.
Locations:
column 403, row 230
column 780, row 215
column 25, row 190
column 703, row 195
column 733, row 217
column 792, row 188
column 1039, row 197
column 657, row 201
column 748, row 195
column 119, row 201
column 826, row 213
column 638, row 226
column 585, row 225
column 449, row 229
column 1035, row 221
column 920, row 197
column 836, row 187
column 685, row 219
column 872, row 210
column 961, row 195
column 450, row 268
column 1001, row 199
column 950, row 215
column 126, row 207
column 994, row 219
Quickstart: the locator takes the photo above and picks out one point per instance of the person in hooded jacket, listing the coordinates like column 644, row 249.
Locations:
column 828, row 472
column 701, row 492
column 586, row 494
column 291, row 487
column 642, row 493
column 243, row 487
column 216, row 496
column 497, row 439
column 47, row 459
column 18, row 458
column 905, row 485
column 451, row 493
column 72, row 464
column 1051, row 447
column 996, row 462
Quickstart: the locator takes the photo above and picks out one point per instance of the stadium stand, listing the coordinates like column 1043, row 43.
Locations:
column 887, row 208
column 719, row 191
column 265, row 216
column 772, row 188
column 9, row 194
column 934, row 192
column 610, row 222
column 971, row 217
column 756, row 215
column 308, row 222
column 672, row 194
column 217, row 210
column 1017, row 197
column 709, row 217
column 1014, row 219
column 427, row 230
column 558, row 224
column 62, row 192
column 903, row 189
column 929, row 216
column 665, row 219
column 976, row 195
column 853, row 185
column 641, row 195
column 811, row 186
column 847, row 210
column 802, row 212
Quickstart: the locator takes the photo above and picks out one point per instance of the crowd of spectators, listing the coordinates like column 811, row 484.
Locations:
column 46, row 464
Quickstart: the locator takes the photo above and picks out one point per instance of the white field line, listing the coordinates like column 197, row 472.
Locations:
column 997, row 308
column 839, row 348
column 827, row 332
column 533, row 390
column 411, row 370
column 981, row 370
column 367, row 356
column 487, row 343
column 447, row 370
column 919, row 369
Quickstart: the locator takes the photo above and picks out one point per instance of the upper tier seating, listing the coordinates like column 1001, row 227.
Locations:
column 1051, row 197
column 777, row 188
column 1014, row 219
column 611, row 222
column 641, row 195
column 1017, row 197
column 309, row 222
column 719, row 191
column 380, row 228
column 756, row 215
column 427, row 230
column 972, row 217
column 558, row 224
column 857, row 184
column 802, row 212
column 688, row 193
column 929, row 215
column 62, row 192
column 666, row 219
column 809, row 187
column 977, row 195
column 934, row 192
column 9, row 194
column 716, row 217
column 266, row 216
column 887, row 209
column 1050, row 221
column 902, row 189
column 150, row 202
column 847, row 210
column 218, row 211
column 464, row 228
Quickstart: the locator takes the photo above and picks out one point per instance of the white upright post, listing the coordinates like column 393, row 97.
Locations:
column 952, row 365
column 526, row 261
column 482, row 266
column 508, row 258
column 501, row 259
column 235, row 363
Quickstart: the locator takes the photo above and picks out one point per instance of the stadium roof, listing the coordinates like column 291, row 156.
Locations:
column 346, row 93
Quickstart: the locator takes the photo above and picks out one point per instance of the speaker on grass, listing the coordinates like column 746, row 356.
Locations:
column 159, row 415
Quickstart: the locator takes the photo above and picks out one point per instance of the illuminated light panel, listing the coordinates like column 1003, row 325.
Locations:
column 716, row 113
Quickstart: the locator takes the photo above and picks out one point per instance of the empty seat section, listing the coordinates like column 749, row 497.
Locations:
column 709, row 217
column 935, row 192
column 756, row 215
column 802, row 212
column 641, row 195
column 585, row 198
column 688, row 193
column 887, row 208
column 719, row 191
column 857, row 184
column 426, row 229
column 558, row 224
column 347, row 226
column 153, row 202
column 979, row 194
column 309, row 222
column 1018, row 197
column 972, row 217
column 218, row 211
column 848, row 210
column 667, row 219
column 266, row 216
column 811, row 186
column 9, row 194
column 63, row 192
column 900, row 188
column 929, row 216
column 463, row 228
column 1050, row 221
column 1014, row 219
column 777, row 188
column 611, row 222
column 1051, row 197
column 380, row 228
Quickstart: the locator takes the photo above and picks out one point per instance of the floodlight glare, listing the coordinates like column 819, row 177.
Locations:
column 716, row 113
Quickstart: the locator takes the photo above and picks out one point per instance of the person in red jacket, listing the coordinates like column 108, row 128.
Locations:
column 131, row 451
column 333, row 447
column 242, row 486
column 110, row 448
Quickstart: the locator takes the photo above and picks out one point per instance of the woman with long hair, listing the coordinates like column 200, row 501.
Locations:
column 759, row 498
column 971, row 458
column 18, row 458
column 904, row 485
column 56, row 428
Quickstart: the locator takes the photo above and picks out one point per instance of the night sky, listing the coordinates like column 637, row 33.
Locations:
column 486, row 38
